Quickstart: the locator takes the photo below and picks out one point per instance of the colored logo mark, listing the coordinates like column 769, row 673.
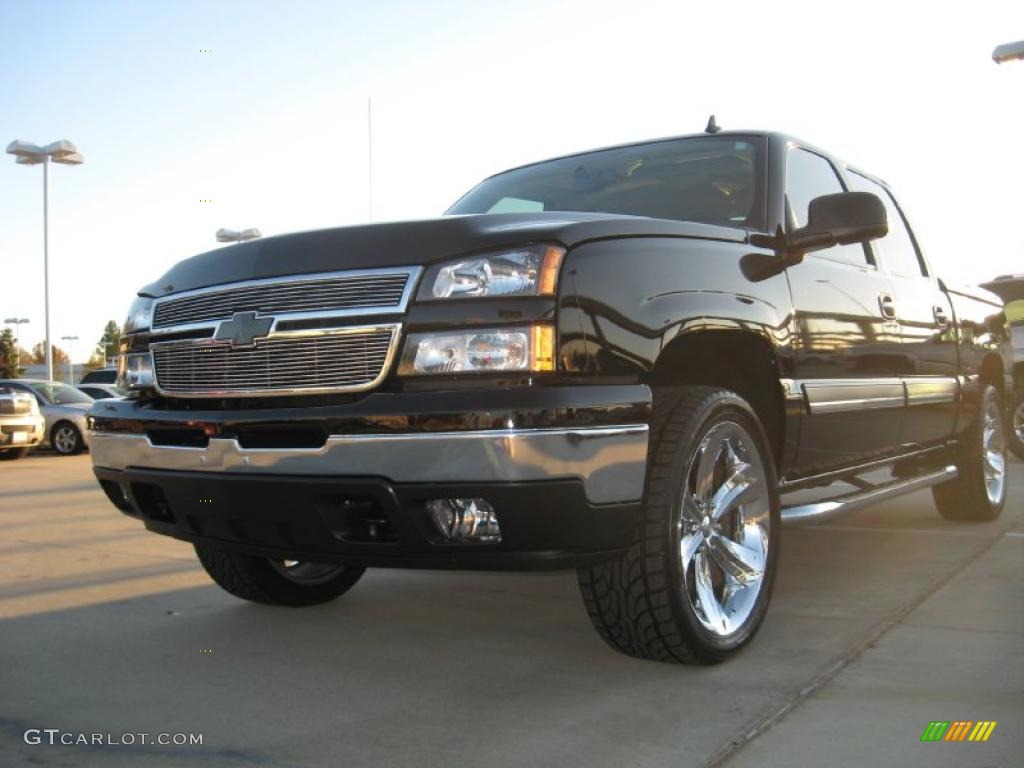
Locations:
column 958, row 730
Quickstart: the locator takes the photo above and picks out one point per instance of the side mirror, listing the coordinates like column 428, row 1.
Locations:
column 839, row 219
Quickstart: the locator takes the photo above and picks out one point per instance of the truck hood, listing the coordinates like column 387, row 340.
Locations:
column 412, row 243
column 1010, row 288
column 979, row 293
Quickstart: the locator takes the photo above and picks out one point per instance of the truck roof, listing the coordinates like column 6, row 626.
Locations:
column 739, row 133
column 726, row 134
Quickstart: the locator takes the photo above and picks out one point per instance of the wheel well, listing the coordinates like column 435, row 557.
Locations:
column 740, row 361
column 991, row 372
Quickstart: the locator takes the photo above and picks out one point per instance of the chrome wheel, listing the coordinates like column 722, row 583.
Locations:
column 724, row 528
column 306, row 573
column 993, row 446
column 65, row 439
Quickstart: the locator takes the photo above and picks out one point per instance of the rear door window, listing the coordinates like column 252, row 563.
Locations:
column 897, row 250
column 808, row 176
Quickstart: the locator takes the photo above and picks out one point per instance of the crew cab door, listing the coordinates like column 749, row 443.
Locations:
column 926, row 326
column 848, row 360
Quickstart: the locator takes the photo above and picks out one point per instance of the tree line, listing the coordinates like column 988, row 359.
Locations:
column 14, row 358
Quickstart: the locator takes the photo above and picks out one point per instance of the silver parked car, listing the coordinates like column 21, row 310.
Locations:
column 21, row 424
column 64, row 410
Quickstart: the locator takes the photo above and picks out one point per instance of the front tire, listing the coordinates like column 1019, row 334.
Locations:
column 66, row 439
column 978, row 494
column 695, row 584
column 1016, row 436
column 274, row 582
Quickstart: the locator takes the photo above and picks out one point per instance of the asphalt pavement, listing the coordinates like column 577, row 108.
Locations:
column 881, row 622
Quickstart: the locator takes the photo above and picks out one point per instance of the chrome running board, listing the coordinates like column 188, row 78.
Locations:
column 826, row 510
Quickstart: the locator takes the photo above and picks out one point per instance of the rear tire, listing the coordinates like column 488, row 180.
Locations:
column 10, row 454
column 1016, row 436
column 695, row 584
column 978, row 494
column 262, row 580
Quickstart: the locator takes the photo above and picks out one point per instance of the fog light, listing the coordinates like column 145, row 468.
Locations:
column 470, row 520
column 118, row 494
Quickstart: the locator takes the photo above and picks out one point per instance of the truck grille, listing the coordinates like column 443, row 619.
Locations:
column 349, row 359
column 326, row 295
column 15, row 405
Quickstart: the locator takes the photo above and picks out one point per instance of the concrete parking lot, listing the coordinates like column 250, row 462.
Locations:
column 881, row 622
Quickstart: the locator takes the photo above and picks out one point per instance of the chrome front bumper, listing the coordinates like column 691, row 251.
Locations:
column 610, row 461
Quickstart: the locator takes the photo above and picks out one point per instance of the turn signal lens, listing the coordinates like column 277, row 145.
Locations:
column 547, row 284
column 542, row 348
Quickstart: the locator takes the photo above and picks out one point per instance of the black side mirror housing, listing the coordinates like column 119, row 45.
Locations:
column 839, row 219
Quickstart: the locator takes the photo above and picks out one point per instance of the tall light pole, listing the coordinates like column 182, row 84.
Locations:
column 369, row 159
column 17, row 322
column 27, row 153
column 237, row 236
column 71, row 362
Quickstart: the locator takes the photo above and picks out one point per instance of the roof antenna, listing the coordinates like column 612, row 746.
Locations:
column 712, row 126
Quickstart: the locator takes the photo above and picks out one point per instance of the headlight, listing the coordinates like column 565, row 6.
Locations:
column 529, row 349
column 140, row 315
column 528, row 271
column 135, row 370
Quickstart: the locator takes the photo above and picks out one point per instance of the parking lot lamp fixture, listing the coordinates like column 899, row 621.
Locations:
column 27, row 153
column 1008, row 52
column 237, row 236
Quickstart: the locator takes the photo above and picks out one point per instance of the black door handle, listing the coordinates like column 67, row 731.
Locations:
column 887, row 306
column 941, row 318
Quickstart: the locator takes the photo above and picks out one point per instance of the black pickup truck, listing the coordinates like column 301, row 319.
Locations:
column 1010, row 288
column 622, row 361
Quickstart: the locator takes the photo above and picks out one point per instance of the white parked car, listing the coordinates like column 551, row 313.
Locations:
column 21, row 424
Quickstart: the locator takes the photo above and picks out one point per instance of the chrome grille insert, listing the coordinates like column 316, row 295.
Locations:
column 337, row 294
column 336, row 360
column 16, row 404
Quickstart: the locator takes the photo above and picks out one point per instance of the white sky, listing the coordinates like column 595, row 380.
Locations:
column 272, row 125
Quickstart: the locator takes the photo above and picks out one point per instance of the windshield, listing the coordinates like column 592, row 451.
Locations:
column 714, row 180
column 59, row 394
